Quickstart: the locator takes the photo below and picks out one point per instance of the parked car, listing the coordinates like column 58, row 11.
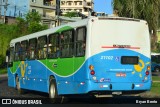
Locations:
column 155, row 62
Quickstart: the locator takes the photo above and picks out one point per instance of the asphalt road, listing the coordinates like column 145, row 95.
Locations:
column 9, row 92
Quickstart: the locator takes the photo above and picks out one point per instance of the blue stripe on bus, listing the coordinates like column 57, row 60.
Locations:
column 82, row 81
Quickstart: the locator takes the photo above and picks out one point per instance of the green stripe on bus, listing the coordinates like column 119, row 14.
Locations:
column 64, row 29
column 64, row 66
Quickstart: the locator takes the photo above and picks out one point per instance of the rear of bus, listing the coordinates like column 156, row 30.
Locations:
column 118, row 56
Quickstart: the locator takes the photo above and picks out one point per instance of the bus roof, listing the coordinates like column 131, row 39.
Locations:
column 49, row 31
column 73, row 24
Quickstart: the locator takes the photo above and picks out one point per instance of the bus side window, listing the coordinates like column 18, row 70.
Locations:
column 42, row 47
column 24, row 46
column 67, row 43
column 81, row 41
column 17, row 51
column 53, row 46
column 11, row 54
column 32, row 48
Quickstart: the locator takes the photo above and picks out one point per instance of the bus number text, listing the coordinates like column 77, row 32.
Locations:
column 107, row 57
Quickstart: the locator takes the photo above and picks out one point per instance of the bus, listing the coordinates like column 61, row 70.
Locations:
column 95, row 56
column 155, row 62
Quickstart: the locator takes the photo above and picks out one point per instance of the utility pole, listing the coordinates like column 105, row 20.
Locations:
column 5, row 9
column 0, row 7
column 58, row 11
column 15, row 9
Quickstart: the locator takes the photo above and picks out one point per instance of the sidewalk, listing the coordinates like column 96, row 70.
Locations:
column 156, row 81
column 3, row 75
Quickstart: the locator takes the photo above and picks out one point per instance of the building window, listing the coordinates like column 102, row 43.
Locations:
column 62, row 2
column 69, row 3
column 80, row 3
column 75, row 3
column 85, row 10
column 80, row 10
column 33, row 10
column 34, row 1
column 89, row 3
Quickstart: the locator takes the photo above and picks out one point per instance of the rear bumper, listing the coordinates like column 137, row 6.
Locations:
column 125, row 88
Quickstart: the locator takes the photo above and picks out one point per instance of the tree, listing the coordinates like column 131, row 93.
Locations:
column 148, row 10
column 31, row 23
column 33, row 17
column 71, row 14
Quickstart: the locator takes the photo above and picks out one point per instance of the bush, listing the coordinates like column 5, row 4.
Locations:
column 157, row 50
column 2, row 61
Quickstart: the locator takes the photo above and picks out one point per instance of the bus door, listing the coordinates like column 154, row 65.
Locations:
column 80, row 51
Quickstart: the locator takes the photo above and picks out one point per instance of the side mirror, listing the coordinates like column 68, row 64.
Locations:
column 7, row 55
column 7, row 59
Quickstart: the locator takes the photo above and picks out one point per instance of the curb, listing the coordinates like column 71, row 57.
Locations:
column 3, row 75
column 156, row 81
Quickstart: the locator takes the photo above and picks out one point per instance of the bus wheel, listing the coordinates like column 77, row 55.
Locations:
column 20, row 91
column 157, row 69
column 53, row 94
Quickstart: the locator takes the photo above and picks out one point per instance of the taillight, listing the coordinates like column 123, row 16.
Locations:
column 92, row 72
column 91, row 67
column 147, row 72
column 148, row 68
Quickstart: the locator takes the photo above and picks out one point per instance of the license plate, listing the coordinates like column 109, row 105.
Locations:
column 117, row 93
column 121, row 74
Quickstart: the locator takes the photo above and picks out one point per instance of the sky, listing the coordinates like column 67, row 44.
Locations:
column 103, row 6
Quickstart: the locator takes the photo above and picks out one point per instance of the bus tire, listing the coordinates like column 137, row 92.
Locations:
column 18, row 88
column 53, row 93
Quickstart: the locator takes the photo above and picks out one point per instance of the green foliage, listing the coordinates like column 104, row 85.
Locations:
column 30, row 24
column 71, row 14
column 157, row 50
column 155, row 78
column 148, row 10
column 3, row 71
column 34, row 27
column 1, row 60
column 33, row 17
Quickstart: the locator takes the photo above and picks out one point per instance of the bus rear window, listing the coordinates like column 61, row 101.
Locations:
column 132, row 60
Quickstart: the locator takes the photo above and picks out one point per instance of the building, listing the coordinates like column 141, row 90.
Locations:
column 47, row 10
column 13, row 8
column 19, row 8
column 83, row 6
